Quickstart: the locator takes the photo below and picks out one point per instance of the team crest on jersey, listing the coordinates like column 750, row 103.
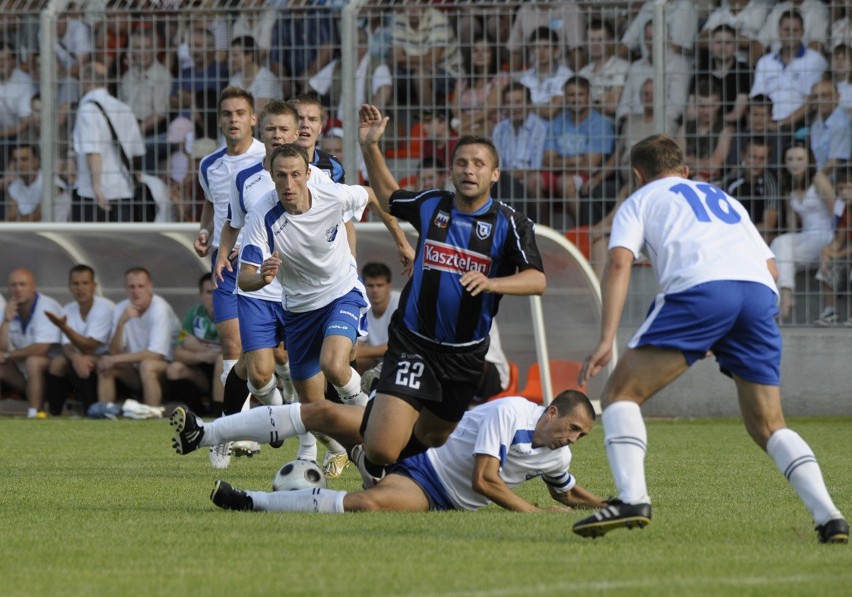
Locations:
column 483, row 230
column 442, row 219
column 447, row 258
column 331, row 234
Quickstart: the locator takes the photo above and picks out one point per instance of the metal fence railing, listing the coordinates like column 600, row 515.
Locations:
column 564, row 88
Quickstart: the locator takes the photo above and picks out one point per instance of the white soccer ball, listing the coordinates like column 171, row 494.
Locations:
column 299, row 474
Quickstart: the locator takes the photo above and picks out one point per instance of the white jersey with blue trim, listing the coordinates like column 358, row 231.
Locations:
column 693, row 232
column 253, row 190
column 316, row 263
column 216, row 176
column 502, row 429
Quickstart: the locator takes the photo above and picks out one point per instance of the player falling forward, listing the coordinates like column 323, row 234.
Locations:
column 718, row 294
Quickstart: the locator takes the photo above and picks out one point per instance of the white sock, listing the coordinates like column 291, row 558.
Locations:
column 268, row 394
column 326, row 501
column 32, row 412
column 626, row 440
column 331, row 444
column 288, row 390
column 307, row 447
column 351, row 392
column 227, row 365
column 796, row 461
column 265, row 424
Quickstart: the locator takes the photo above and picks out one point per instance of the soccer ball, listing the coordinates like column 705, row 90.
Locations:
column 299, row 474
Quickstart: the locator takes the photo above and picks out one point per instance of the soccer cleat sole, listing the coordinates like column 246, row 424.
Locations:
column 178, row 421
column 601, row 528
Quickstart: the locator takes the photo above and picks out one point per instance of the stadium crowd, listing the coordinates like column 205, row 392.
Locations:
column 563, row 88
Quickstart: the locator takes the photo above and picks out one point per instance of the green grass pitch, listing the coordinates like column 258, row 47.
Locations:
column 107, row 508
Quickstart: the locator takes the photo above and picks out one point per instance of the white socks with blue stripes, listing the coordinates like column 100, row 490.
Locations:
column 626, row 440
column 327, row 501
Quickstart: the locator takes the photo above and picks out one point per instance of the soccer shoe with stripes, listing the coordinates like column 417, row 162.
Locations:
column 220, row 455
column 189, row 429
column 835, row 530
column 333, row 464
column 228, row 497
column 616, row 515
column 245, row 448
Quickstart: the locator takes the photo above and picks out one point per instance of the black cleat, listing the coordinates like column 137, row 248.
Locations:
column 616, row 515
column 835, row 530
column 189, row 429
column 228, row 497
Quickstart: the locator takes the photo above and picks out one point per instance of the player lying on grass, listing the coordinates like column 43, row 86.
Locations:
column 494, row 448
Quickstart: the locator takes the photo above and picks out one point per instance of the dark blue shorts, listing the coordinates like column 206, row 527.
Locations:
column 420, row 470
column 304, row 332
column 261, row 323
column 736, row 320
column 224, row 298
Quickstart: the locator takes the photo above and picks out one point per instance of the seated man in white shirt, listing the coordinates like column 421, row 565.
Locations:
column 383, row 302
column 144, row 331
column 85, row 324
column 26, row 338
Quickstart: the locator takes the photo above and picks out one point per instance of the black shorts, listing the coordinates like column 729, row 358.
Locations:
column 442, row 379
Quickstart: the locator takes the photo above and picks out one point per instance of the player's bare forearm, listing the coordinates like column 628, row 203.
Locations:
column 578, row 497
column 406, row 251
column 487, row 482
column 616, row 280
column 524, row 283
column 249, row 278
column 371, row 127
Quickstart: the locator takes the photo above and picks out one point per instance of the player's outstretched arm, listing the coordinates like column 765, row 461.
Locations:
column 578, row 497
column 371, row 127
column 404, row 248
column 486, row 481
column 616, row 281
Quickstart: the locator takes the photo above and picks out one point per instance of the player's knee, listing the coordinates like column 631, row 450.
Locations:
column 360, row 501
column 259, row 375
column 381, row 455
column 336, row 370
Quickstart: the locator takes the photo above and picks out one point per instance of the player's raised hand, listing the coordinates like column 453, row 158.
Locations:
column 371, row 125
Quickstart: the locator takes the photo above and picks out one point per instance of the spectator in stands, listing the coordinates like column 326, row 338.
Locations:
column 678, row 73
column 144, row 330
column 835, row 267
column 303, row 42
column 26, row 338
column 73, row 45
column 830, row 128
column 579, row 140
column 146, row 87
column 373, row 80
column 106, row 138
column 563, row 18
column 439, row 138
column 478, row 92
column 706, row 140
column 425, row 56
column 607, row 191
column 810, row 207
column 841, row 28
column 383, row 302
column 248, row 73
column 788, row 74
column 841, row 74
column 111, row 35
column 256, row 19
column 681, row 25
column 759, row 123
column 198, row 354
column 815, row 20
column 745, row 18
column 23, row 195
column 605, row 71
column 85, row 324
column 546, row 75
column 732, row 75
column 195, row 92
column 755, row 186
column 431, row 175
column 520, row 140
column 16, row 89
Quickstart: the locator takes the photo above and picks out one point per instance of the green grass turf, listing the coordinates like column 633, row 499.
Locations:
column 107, row 508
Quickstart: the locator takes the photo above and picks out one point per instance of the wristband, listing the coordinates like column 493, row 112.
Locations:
column 203, row 231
